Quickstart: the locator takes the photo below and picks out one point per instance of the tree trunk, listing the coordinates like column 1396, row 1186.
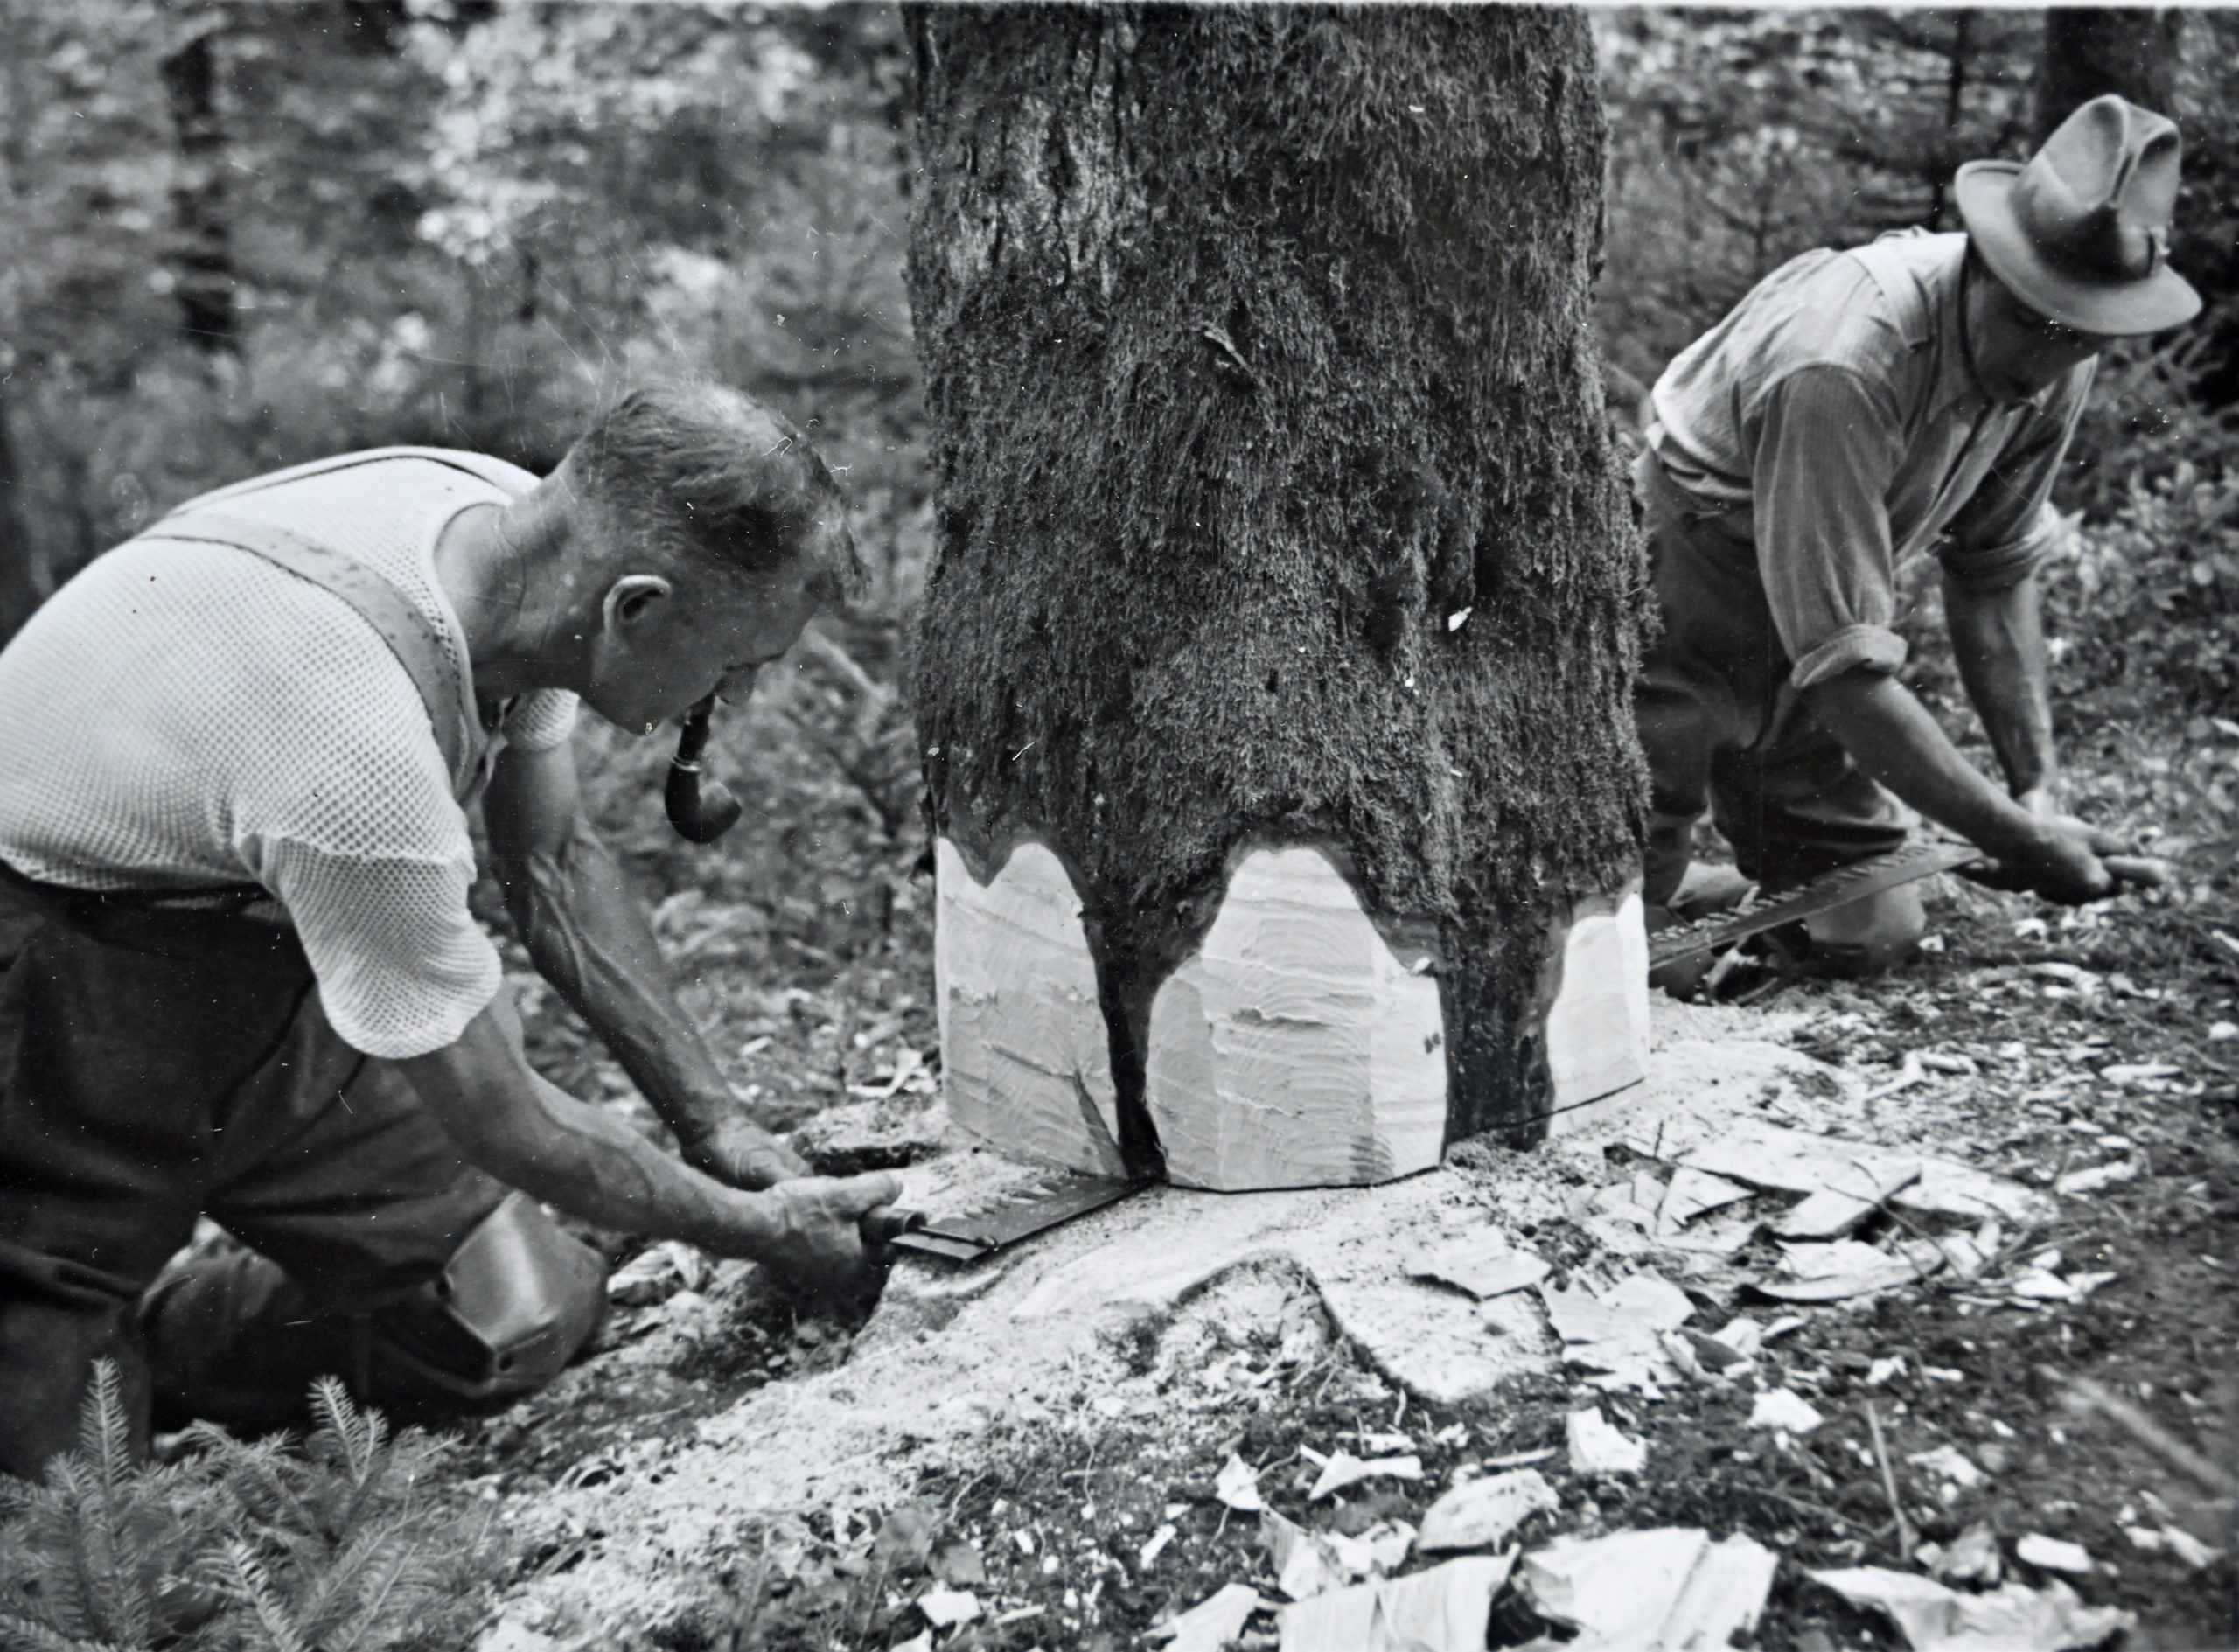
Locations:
column 1273, row 674
column 202, row 267
column 26, row 582
column 2090, row 50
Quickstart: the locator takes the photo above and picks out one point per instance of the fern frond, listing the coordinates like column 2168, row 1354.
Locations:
column 252, row 1584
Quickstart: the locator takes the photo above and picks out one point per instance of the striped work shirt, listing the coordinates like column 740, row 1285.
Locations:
column 1834, row 419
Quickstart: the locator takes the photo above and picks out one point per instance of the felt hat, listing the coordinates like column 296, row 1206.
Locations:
column 2080, row 233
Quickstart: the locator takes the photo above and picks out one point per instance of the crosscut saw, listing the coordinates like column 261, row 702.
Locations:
column 1684, row 946
column 1032, row 1210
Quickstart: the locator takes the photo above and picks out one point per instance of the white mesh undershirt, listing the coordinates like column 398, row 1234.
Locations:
column 183, row 714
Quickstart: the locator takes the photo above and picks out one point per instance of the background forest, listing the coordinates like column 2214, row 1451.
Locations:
column 240, row 234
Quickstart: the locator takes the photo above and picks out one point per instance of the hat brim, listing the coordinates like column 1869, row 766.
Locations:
column 1985, row 190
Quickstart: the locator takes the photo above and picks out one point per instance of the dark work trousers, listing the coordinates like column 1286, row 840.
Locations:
column 159, row 1066
column 1722, row 727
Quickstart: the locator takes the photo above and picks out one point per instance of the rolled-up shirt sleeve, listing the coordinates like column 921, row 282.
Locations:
column 1827, row 449
column 1997, row 539
column 402, row 968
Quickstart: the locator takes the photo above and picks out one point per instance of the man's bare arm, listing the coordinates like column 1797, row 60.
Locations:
column 1998, row 639
column 534, row 1136
column 1893, row 738
column 590, row 939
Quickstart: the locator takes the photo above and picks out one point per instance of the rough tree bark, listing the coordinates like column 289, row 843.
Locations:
column 1274, row 670
column 2090, row 50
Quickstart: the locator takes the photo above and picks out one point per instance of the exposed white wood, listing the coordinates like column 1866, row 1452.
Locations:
column 1295, row 1049
column 1597, row 1027
column 1026, row 1056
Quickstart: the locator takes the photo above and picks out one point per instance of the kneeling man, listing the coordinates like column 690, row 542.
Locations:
column 1917, row 393
column 235, row 757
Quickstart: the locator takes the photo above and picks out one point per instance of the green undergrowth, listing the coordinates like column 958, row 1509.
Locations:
column 334, row 1544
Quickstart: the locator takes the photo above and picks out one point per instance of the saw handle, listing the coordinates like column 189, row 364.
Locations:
column 888, row 1223
column 2146, row 871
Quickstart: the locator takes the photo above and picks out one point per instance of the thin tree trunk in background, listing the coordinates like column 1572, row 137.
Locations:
column 2090, row 50
column 1281, row 544
column 24, row 580
column 202, row 272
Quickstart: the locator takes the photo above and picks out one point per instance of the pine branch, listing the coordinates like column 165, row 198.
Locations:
column 28, row 1634
column 253, row 1584
column 115, row 1590
column 353, row 1440
column 391, row 1570
column 240, row 1546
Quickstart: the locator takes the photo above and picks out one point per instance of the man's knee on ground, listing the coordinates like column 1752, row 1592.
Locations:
column 509, row 1309
column 1866, row 937
column 235, row 1342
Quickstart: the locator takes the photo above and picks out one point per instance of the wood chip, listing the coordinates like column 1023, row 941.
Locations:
column 1786, row 1410
column 1344, row 1469
column 1211, row 1624
column 1668, row 1587
column 2096, row 1178
column 1483, row 1514
column 1935, row 1619
column 1237, row 1485
column 1725, row 1595
column 1834, row 1272
column 1303, row 1564
column 1691, row 1192
column 1851, row 1194
column 1765, row 1156
column 2055, row 1555
column 1598, row 1448
column 1441, row 1610
column 946, row 1609
column 1484, row 1264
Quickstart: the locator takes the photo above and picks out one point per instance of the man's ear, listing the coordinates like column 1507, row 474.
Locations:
column 633, row 599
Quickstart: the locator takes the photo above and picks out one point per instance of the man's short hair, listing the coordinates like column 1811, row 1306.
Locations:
column 710, row 474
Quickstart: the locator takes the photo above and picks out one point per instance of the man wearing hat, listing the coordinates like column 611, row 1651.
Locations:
column 1917, row 393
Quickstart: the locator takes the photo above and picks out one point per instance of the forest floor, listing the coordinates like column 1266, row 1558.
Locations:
column 2091, row 1057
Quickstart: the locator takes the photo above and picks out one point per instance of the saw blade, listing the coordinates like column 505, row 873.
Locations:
column 1823, row 894
column 965, row 1238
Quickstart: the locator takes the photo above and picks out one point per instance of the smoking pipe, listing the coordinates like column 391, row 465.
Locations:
column 702, row 811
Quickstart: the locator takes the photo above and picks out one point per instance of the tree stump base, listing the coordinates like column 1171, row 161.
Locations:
column 1295, row 1047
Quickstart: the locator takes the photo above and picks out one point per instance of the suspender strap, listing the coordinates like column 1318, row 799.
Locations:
column 395, row 618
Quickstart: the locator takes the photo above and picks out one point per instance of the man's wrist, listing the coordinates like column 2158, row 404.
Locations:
column 695, row 1116
column 740, row 1224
